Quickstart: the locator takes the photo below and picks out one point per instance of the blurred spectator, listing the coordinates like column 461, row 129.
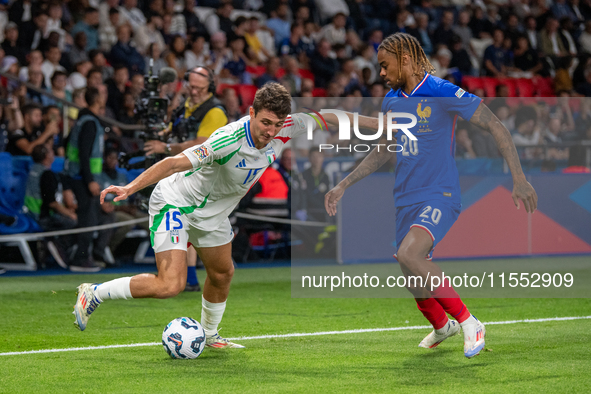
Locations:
column 192, row 22
column 562, row 78
column 525, row 127
column 108, row 31
column 176, row 55
column 259, row 51
column 441, row 62
column 53, row 114
column 335, row 31
column 136, row 86
column 533, row 36
column 291, row 79
column 526, row 59
column 577, row 161
column 122, row 52
column 37, row 79
column 155, row 54
column 11, row 117
column 148, row 34
column 421, row 33
column 566, row 27
column 132, row 14
column 279, row 24
column 45, row 198
column 366, row 59
column 127, row 114
column 496, row 59
column 323, row 66
column 88, row 25
column 235, row 67
column 94, row 78
column 232, row 104
column 220, row 20
column 460, row 58
column 271, row 69
column 550, row 43
column 219, row 54
column 464, row 144
column 116, row 87
column 10, row 43
column 329, row 8
column 561, row 10
column 34, row 59
column 197, row 54
column 444, row 32
column 51, row 64
column 32, row 32
column 78, row 52
column 21, row 142
column 585, row 38
column 480, row 26
column 105, row 8
column 120, row 211
column 59, row 80
column 100, row 62
column 462, row 29
column 585, row 87
column 293, row 45
column 316, row 184
column 513, row 30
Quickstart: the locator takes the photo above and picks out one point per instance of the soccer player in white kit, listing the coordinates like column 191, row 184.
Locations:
column 196, row 192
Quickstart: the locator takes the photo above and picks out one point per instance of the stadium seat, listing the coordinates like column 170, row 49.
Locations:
column 525, row 87
column 319, row 92
column 471, row 83
column 255, row 71
column 544, row 86
column 307, row 74
column 511, row 85
column 489, row 85
column 246, row 94
column 280, row 72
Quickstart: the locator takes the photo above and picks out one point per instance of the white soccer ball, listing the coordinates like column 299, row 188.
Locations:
column 183, row 338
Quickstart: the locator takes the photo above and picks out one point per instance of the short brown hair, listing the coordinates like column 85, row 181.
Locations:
column 273, row 97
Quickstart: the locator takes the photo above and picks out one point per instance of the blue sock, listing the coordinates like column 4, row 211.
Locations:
column 192, row 276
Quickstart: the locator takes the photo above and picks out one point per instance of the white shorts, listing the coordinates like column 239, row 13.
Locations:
column 169, row 229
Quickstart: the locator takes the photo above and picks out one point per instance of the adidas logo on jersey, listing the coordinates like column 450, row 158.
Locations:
column 241, row 164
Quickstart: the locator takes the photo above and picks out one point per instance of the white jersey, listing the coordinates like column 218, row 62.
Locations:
column 225, row 167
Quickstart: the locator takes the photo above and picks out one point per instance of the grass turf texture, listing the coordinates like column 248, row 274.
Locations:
column 36, row 314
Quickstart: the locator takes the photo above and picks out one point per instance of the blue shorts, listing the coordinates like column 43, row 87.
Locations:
column 434, row 216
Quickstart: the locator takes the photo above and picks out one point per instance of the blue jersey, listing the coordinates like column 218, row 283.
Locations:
column 426, row 168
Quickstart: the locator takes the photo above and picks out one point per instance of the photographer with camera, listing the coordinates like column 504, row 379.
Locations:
column 200, row 115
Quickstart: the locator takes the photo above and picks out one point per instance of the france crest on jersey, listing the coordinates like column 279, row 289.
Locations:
column 426, row 168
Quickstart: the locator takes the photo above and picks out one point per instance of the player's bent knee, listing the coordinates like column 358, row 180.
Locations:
column 171, row 289
column 221, row 277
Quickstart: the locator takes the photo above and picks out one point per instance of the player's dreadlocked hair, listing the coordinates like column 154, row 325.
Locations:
column 399, row 43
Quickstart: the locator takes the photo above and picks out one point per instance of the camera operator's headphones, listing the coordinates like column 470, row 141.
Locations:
column 209, row 76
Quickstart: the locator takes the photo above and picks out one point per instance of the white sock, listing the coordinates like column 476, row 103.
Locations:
column 211, row 315
column 443, row 329
column 470, row 320
column 114, row 289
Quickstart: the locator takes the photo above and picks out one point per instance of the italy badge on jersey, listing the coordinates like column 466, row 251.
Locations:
column 202, row 152
column 174, row 236
column 271, row 157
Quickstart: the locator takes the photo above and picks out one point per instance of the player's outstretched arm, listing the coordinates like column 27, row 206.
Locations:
column 158, row 171
column 376, row 158
column 522, row 189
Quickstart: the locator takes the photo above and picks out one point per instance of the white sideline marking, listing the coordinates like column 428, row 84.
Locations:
column 303, row 334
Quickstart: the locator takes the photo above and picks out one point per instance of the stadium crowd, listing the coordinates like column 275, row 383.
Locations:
column 324, row 49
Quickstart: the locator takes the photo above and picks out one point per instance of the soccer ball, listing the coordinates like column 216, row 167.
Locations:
column 183, row 338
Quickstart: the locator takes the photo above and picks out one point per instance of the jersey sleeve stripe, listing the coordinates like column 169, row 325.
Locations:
column 227, row 138
column 228, row 142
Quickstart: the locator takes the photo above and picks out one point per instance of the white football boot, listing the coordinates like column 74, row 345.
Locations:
column 433, row 339
column 218, row 342
column 473, row 338
column 86, row 303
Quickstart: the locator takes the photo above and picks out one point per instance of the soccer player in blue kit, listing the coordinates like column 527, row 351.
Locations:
column 427, row 188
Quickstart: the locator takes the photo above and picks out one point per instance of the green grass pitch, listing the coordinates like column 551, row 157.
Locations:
column 35, row 313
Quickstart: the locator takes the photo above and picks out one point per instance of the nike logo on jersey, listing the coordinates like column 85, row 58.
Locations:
column 241, row 164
